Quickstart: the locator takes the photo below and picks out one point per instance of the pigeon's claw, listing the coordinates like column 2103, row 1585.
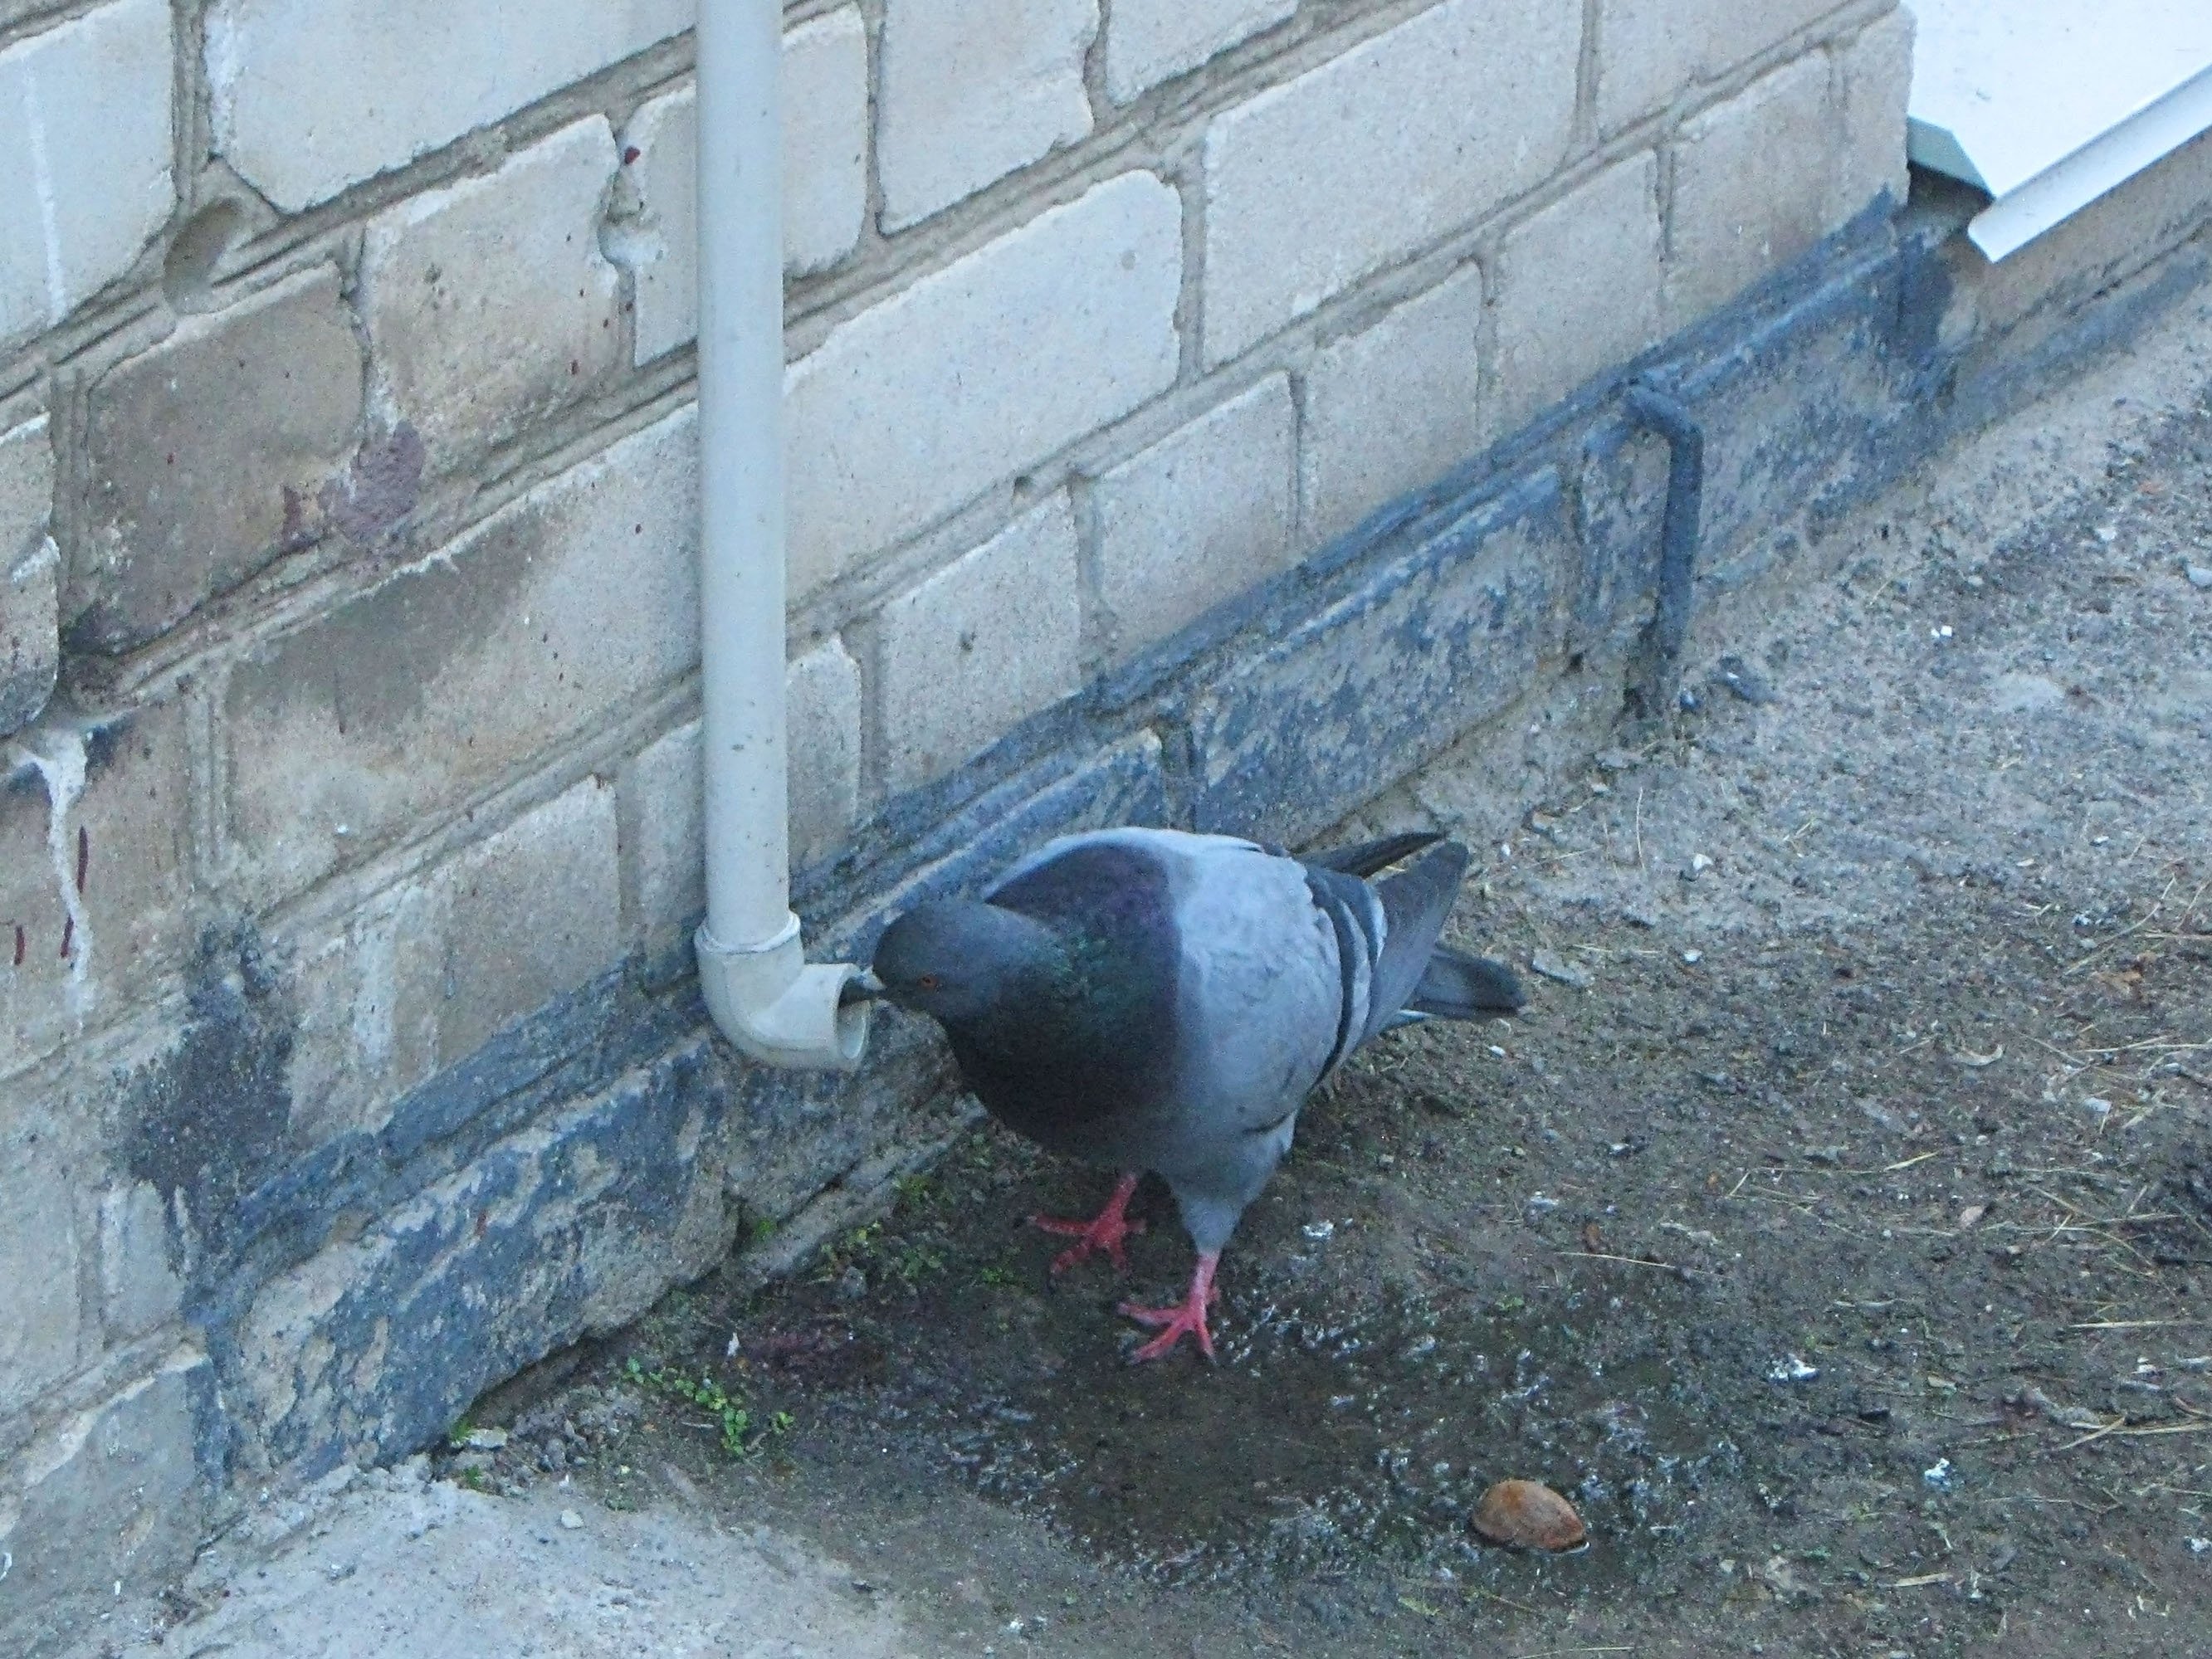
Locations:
column 1108, row 1231
column 1187, row 1318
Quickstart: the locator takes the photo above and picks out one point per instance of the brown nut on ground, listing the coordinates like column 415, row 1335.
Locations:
column 1527, row 1516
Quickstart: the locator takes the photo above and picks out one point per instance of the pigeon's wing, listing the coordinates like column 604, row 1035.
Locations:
column 1257, row 1002
column 1414, row 904
column 1260, row 1018
column 1011, row 888
column 1249, row 1009
column 1386, row 931
column 1275, row 960
column 1073, row 881
column 1358, row 927
column 1369, row 857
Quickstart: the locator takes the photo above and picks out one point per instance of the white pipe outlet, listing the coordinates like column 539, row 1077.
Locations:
column 761, row 992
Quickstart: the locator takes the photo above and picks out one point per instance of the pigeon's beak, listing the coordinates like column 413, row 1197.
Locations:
column 863, row 987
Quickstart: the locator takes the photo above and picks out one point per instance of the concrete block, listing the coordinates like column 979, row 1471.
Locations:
column 139, row 1289
column 30, row 636
column 209, row 455
column 1876, row 71
column 1149, row 42
column 1427, row 644
column 822, row 697
column 458, row 671
column 1651, row 51
column 664, row 842
column 825, row 177
column 111, row 1495
column 790, row 1130
column 97, row 905
column 85, row 109
column 657, row 223
column 44, row 1334
column 528, row 912
column 1393, row 407
column 980, row 371
column 422, row 975
column 367, row 990
column 1802, row 422
column 1580, row 289
column 972, row 90
column 1752, row 187
column 571, row 1227
column 200, row 1104
column 992, row 638
column 1316, row 183
column 26, row 490
column 489, row 304
column 311, row 96
column 30, row 576
column 1204, row 513
column 663, row 834
column 825, row 140
column 1620, row 492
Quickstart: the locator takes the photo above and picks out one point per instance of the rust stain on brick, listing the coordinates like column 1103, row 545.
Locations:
column 380, row 489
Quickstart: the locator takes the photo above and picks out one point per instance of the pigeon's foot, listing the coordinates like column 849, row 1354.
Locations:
column 1107, row 1230
column 1189, row 1317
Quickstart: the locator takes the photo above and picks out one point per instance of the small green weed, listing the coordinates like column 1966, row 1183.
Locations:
column 741, row 1437
column 854, row 1247
column 917, row 1262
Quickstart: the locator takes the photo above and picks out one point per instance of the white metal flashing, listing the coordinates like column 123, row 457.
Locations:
column 2047, row 105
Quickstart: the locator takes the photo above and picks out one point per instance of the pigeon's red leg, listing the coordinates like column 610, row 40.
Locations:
column 1190, row 1316
column 1104, row 1231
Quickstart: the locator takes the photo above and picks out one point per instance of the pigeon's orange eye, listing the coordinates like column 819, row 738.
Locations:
column 928, row 982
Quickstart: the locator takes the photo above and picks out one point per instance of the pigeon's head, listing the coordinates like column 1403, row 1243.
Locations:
column 956, row 959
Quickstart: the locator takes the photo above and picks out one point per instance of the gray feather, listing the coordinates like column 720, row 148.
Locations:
column 1369, row 858
column 1414, row 904
column 1356, row 922
column 1456, row 986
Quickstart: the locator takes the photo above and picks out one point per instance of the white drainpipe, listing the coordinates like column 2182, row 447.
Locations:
column 753, row 967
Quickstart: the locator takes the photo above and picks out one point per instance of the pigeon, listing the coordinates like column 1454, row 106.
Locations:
column 1154, row 999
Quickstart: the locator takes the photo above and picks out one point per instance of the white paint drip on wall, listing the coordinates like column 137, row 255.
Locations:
column 42, row 177
column 60, row 764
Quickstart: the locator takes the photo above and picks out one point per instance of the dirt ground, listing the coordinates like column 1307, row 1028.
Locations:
column 1834, row 1228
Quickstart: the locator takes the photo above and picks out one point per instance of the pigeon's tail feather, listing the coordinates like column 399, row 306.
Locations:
column 1415, row 902
column 1371, row 856
column 1456, row 986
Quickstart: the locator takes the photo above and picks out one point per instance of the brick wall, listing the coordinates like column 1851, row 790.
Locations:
column 347, row 613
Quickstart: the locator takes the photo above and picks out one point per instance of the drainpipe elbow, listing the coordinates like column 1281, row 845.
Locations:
column 779, row 1009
